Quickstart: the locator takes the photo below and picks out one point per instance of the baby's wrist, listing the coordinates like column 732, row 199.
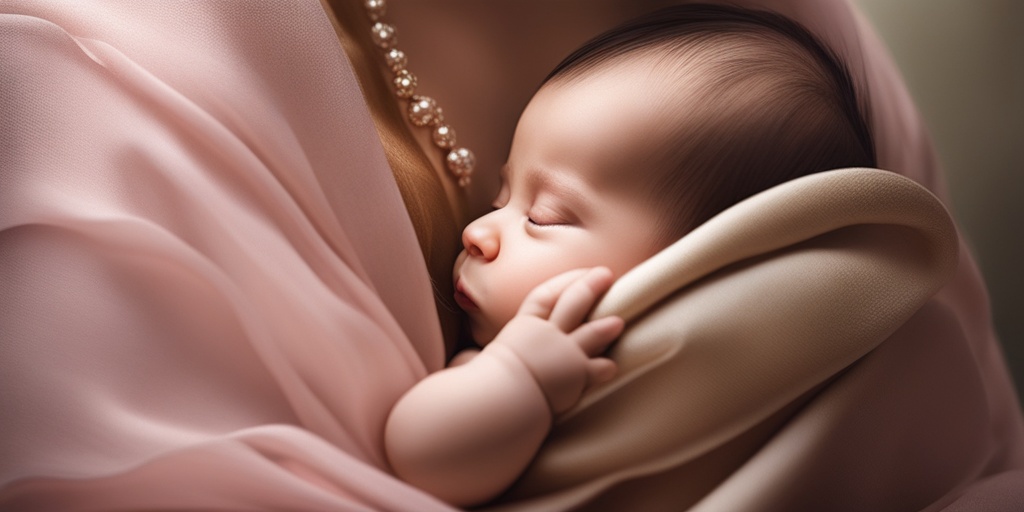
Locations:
column 557, row 369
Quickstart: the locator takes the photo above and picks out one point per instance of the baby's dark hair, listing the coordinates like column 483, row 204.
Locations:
column 769, row 103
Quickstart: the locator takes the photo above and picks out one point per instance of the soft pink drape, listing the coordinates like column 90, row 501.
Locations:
column 210, row 292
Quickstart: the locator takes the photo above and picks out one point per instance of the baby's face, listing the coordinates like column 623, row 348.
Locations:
column 569, row 197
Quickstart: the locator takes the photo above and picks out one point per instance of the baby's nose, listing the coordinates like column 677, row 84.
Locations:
column 481, row 240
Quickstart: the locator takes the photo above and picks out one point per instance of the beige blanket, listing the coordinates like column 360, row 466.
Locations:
column 786, row 355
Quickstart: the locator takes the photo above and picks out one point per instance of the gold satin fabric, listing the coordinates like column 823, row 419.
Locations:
column 437, row 217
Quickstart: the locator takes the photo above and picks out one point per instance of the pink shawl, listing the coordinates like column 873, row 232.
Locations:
column 211, row 293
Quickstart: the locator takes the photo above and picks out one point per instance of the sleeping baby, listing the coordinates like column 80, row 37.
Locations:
column 634, row 140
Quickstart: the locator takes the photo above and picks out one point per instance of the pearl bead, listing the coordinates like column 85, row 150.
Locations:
column 422, row 110
column 376, row 9
column 438, row 117
column 384, row 35
column 396, row 60
column 460, row 162
column 444, row 136
column 405, row 84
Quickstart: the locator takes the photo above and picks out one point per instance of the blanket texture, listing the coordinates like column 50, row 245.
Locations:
column 743, row 369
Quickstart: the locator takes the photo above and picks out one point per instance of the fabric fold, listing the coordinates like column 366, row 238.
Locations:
column 211, row 292
column 740, row 330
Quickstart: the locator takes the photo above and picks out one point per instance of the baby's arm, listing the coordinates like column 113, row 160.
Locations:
column 465, row 433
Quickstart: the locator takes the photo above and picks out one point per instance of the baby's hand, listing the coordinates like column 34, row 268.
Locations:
column 549, row 336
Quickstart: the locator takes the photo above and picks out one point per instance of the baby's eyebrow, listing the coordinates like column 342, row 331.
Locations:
column 568, row 189
column 543, row 179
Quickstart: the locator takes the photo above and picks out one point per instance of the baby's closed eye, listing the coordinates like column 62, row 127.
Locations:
column 544, row 216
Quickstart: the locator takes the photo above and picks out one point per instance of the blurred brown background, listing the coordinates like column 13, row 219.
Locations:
column 963, row 61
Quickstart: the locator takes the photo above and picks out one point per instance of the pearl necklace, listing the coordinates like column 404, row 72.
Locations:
column 423, row 111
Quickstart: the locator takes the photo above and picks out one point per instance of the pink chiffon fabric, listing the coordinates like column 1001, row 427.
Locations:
column 210, row 292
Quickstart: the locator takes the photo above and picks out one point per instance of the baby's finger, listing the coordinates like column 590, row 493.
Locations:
column 600, row 370
column 578, row 299
column 594, row 337
column 541, row 300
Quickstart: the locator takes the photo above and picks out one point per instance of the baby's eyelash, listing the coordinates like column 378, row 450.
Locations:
column 544, row 224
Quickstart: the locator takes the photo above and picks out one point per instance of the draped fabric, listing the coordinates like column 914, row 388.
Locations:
column 211, row 294
column 786, row 355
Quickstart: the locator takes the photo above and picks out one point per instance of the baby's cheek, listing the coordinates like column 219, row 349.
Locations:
column 521, row 289
column 506, row 310
column 503, row 306
column 492, row 318
column 508, row 304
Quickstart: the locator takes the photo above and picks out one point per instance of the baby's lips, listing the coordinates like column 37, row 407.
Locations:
column 463, row 299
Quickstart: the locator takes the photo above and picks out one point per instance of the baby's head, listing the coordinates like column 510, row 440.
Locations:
column 645, row 133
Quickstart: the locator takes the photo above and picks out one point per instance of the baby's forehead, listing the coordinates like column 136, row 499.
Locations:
column 643, row 69
column 626, row 97
column 661, row 92
column 643, row 97
column 640, row 81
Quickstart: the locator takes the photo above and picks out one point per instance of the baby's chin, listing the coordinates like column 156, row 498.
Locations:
column 482, row 331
